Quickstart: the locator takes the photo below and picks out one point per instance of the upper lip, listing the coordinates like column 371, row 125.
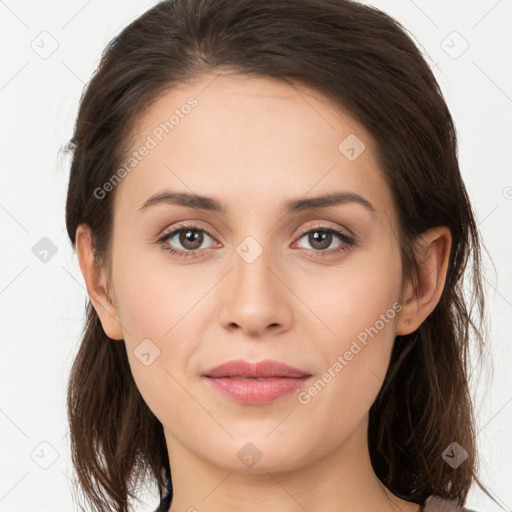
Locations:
column 261, row 369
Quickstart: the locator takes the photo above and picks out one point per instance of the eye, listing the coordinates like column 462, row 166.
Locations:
column 190, row 237
column 321, row 237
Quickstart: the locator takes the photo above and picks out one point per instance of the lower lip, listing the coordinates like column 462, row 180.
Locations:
column 257, row 391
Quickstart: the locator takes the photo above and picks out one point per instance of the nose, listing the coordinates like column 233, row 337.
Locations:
column 255, row 297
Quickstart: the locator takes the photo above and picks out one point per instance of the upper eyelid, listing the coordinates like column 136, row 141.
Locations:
column 180, row 227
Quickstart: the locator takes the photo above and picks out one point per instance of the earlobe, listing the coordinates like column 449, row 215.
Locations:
column 433, row 259
column 96, row 285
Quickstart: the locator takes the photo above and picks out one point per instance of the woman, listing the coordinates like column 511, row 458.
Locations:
column 268, row 212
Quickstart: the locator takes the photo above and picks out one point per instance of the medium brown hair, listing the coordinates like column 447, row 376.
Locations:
column 366, row 63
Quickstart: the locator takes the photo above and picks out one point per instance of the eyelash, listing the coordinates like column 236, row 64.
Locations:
column 348, row 242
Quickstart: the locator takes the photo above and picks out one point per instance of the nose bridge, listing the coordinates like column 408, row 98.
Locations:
column 251, row 273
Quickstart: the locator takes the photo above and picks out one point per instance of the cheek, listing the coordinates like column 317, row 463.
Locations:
column 154, row 297
column 153, row 309
column 357, row 315
column 349, row 300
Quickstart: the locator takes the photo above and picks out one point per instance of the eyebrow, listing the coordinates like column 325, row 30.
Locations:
column 206, row 203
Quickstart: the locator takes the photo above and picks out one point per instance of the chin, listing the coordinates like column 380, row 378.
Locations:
column 258, row 454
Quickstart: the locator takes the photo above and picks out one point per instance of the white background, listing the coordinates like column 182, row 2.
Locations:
column 43, row 304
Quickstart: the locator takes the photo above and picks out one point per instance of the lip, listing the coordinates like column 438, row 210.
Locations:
column 261, row 369
column 256, row 383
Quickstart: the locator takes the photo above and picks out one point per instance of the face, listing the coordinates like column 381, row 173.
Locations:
column 316, row 288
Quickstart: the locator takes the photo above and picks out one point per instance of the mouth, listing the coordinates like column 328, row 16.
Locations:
column 256, row 383
column 238, row 377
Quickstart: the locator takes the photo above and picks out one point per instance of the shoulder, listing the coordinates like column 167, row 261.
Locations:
column 437, row 504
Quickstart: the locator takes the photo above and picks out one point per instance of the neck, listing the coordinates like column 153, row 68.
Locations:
column 341, row 481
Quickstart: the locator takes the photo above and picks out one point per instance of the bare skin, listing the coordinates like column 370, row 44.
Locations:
column 253, row 144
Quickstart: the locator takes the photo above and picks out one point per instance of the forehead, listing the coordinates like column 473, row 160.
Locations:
column 250, row 137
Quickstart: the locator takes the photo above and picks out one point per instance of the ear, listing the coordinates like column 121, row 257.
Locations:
column 96, row 284
column 434, row 255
